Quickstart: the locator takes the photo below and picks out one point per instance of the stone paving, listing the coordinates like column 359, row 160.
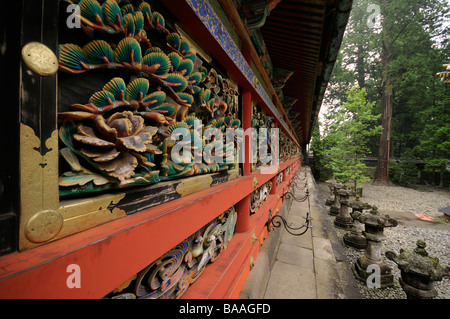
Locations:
column 310, row 266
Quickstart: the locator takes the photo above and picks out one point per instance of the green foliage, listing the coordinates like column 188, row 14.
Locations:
column 434, row 144
column 404, row 171
column 346, row 138
column 320, row 170
column 418, row 40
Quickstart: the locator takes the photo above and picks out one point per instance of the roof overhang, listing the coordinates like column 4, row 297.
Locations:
column 304, row 36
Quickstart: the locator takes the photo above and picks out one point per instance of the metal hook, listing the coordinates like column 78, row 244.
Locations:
column 297, row 177
column 291, row 230
column 290, row 195
column 297, row 187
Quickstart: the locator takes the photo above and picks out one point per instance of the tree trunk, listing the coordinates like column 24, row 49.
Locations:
column 382, row 172
column 360, row 71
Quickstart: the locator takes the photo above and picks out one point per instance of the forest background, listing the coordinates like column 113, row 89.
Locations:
column 390, row 55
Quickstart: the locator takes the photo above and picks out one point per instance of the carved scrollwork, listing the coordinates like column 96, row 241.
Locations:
column 161, row 278
column 171, row 275
column 259, row 196
column 280, row 177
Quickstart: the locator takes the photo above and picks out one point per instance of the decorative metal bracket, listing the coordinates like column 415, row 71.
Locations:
column 297, row 177
column 274, row 223
column 294, row 184
column 290, row 195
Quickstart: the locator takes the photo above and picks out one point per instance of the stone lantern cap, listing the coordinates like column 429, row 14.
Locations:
column 343, row 193
column 337, row 187
column 418, row 262
column 359, row 205
column 375, row 219
column 334, row 183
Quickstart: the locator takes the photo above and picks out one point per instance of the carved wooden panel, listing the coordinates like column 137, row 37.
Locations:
column 171, row 275
column 126, row 123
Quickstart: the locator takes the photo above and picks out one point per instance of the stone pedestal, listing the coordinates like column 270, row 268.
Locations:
column 344, row 219
column 329, row 201
column 419, row 271
column 355, row 237
column 372, row 261
column 364, row 266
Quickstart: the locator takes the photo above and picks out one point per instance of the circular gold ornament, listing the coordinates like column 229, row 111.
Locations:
column 43, row 226
column 40, row 59
column 255, row 182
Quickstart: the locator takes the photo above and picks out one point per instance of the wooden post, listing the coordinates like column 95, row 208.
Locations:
column 273, row 190
column 246, row 112
column 275, row 160
column 243, row 206
column 243, row 215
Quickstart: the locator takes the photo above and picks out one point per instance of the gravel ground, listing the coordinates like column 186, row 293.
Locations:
column 425, row 200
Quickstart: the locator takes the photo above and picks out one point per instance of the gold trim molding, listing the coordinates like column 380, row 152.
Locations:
column 38, row 182
column 42, row 217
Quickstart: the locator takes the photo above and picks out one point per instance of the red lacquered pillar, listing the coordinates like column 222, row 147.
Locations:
column 246, row 113
column 243, row 206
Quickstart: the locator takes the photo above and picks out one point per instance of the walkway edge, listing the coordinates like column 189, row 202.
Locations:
column 345, row 285
column 350, row 287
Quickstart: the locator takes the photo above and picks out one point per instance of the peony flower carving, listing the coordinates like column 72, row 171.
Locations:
column 118, row 144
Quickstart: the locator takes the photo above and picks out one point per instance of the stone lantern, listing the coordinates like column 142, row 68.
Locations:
column 331, row 184
column 419, row 271
column 355, row 237
column 358, row 206
column 335, row 208
column 374, row 232
column 343, row 219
